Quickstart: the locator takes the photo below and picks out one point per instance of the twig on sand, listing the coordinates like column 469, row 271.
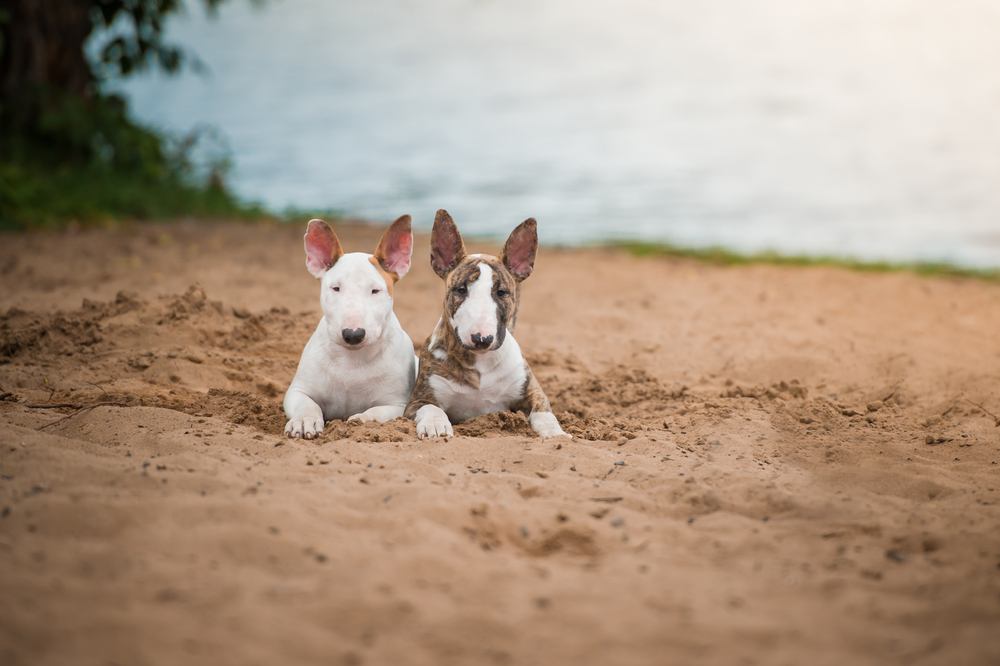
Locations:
column 996, row 419
column 98, row 386
column 70, row 405
column 891, row 393
column 52, row 405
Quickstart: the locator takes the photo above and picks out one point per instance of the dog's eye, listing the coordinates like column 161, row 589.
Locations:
column 461, row 290
column 376, row 291
column 503, row 293
column 336, row 288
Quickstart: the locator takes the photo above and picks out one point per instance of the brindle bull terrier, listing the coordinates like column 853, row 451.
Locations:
column 471, row 364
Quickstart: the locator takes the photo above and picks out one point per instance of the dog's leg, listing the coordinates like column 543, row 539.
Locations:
column 540, row 415
column 380, row 413
column 305, row 418
column 433, row 422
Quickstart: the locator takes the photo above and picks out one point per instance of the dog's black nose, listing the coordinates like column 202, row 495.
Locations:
column 353, row 336
column 481, row 341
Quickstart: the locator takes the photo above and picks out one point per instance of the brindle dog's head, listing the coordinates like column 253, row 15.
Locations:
column 480, row 302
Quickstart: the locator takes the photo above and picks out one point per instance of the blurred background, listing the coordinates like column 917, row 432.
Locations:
column 867, row 129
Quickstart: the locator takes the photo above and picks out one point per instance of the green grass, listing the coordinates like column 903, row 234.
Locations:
column 723, row 257
column 32, row 197
column 66, row 159
column 294, row 214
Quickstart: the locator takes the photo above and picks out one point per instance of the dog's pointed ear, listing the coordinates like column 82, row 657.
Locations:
column 447, row 247
column 396, row 247
column 322, row 247
column 519, row 250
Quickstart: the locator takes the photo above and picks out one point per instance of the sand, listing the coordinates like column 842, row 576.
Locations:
column 771, row 465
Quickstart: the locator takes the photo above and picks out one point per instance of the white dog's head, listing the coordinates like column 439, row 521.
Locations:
column 356, row 288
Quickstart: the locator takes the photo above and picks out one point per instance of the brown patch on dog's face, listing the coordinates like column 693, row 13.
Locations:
column 390, row 278
column 392, row 254
column 457, row 283
column 504, row 292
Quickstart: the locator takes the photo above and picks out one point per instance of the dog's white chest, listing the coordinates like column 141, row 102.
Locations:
column 344, row 382
column 501, row 384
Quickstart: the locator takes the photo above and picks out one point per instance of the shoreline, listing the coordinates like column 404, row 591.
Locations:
column 722, row 256
column 716, row 255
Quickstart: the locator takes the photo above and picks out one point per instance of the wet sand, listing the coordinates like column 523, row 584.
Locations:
column 771, row 465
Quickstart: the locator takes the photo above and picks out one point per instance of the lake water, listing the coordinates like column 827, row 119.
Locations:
column 868, row 128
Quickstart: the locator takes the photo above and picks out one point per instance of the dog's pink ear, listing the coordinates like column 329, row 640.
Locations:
column 519, row 251
column 447, row 247
column 396, row 247
column 322, row 247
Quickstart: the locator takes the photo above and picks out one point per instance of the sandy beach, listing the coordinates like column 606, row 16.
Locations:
column 770, row 465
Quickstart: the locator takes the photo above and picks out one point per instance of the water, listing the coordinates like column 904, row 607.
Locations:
column 866, row 128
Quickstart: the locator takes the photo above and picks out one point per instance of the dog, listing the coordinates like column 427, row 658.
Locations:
column 359, row 363
column 471, row 364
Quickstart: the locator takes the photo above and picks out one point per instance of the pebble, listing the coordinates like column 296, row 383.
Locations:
column 895, row 555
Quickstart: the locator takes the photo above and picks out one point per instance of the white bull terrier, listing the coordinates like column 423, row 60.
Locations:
column 472, row 365
column 359, row 363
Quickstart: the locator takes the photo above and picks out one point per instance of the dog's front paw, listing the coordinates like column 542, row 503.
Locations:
column 380, row 413
column 306, row 427
column 433, row 422
column 546, row 425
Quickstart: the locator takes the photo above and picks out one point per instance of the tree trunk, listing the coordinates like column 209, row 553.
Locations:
column 41, row 48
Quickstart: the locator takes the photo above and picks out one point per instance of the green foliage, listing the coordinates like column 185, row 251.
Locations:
column 723, row 257
column 87, row 162
column 72, row 153
column 31, row 197
column 139, row 40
